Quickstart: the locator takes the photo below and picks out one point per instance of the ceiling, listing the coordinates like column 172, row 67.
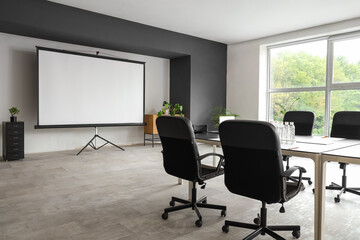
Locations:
column 226, row 21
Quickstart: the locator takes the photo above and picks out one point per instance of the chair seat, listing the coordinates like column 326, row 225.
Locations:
column 291, row 189
column 208, row 172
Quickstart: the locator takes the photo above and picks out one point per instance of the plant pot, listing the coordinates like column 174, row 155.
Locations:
column 13, row 119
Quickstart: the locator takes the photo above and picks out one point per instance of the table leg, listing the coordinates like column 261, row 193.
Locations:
column 319, row 208
column 214, row 157
column 190, row 190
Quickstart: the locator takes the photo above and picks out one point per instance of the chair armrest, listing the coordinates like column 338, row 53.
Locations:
column 291, row 170
column 201, row 157
column 221, row 161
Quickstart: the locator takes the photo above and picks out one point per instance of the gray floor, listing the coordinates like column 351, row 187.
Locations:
column 113, row 194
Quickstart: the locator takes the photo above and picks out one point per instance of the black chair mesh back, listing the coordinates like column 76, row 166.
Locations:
column 179, row 147
column 253, row 160
column 346, row 124
column 303, row 121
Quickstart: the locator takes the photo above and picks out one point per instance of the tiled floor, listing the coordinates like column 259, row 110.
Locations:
column 113, row 194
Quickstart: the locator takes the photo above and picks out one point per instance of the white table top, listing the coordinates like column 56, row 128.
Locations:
column 347, row 155
column 306, row 144
column 316, row 144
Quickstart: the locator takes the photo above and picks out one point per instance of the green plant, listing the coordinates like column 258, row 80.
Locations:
column 170, row 109
column 220, row 111
column 13, row 111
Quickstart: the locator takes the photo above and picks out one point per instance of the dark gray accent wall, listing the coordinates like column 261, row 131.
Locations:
column 200, row 87
column 180, row 83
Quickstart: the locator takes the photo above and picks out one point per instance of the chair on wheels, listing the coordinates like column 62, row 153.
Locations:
column 346, row 124
column 254, row 169
column 304, row 124
column 181, row 159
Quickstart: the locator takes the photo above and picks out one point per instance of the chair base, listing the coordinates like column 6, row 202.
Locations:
column 343, row 187
column 194, row 204
column 343, row 190
column 262, row 228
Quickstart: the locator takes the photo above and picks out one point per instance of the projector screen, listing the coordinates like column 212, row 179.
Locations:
column 83, row 90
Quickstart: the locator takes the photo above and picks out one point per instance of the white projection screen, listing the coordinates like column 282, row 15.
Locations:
column 83, row 90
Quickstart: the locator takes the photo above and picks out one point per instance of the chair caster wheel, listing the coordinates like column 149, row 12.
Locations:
column 296, row 234
column 165, row 215
column 223, row 213
column 336, row 199
column 172, row 203
column 282, row 209
column 309, row 182
column 313, row 190
column 204, row 202
column 225, row 228
column 257, row 221
column 198, row 223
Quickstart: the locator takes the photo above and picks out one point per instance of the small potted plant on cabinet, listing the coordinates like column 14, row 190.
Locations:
column 172, row 110
column 13, row 111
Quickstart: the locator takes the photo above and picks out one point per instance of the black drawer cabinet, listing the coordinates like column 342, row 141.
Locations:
column 13, row 140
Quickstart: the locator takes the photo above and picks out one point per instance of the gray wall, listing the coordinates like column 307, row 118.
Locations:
column 207, row 68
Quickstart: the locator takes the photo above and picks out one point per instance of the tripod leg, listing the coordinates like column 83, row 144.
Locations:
column 110, row 142
column 89, row 143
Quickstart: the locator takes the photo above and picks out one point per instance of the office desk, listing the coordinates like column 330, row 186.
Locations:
column 319, row 150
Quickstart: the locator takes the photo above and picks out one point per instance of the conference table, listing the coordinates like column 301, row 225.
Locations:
column 320, row 150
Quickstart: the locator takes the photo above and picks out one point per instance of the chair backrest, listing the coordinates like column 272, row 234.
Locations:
column 179, row 147
column 346, row 124
column 303, row 121
column 253, row 160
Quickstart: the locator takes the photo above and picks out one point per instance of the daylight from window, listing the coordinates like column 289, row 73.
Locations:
column 303, row 77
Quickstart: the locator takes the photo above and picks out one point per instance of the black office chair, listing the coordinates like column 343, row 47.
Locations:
column 254, row 169
column 346, row 124
column 181, row 159
column 304, row 124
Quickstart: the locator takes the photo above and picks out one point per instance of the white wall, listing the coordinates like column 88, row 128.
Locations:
column 18, row 87
column 247, row 67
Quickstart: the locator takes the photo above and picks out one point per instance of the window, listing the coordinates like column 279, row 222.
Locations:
column 320, row 75
column 347, row 61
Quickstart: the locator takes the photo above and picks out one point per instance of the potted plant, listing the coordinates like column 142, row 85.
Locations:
column 170, row 109
column 13, row 111
column 220, row 111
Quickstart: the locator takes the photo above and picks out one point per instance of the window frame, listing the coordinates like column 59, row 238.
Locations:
column 329, row 85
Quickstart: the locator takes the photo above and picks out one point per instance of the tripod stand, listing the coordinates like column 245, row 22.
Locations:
column 93, row 145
